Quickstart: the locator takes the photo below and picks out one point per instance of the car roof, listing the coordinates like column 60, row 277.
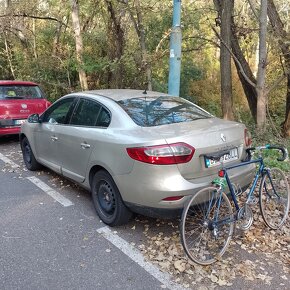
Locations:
column 124, row 94
column 22, row 83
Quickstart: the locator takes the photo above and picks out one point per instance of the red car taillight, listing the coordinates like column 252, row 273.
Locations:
column 47, row 104
column 248, row 138
column 162, row 154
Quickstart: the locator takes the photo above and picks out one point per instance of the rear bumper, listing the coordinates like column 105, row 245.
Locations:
column 145, row 190
column 163, row 213
column 10, row 131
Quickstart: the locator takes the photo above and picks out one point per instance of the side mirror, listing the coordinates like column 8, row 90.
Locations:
column 34, row 118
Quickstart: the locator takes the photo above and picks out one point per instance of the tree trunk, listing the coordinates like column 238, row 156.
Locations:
column 55, row 47
column 261, row 75
column 249, row 89
column 9, row 56
column 116, row 47
column 142, row 40
column 281, row 34
column 34, row 39
column 225, row 59
column 79, row 43
column 243, row 69
column 286, row 123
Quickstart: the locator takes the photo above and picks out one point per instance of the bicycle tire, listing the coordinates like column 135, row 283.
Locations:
column 203, row 242
column 274, row 206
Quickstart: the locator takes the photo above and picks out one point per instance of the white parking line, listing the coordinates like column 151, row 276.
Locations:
column 136, row 256
column 8, row 161
column 50, row 191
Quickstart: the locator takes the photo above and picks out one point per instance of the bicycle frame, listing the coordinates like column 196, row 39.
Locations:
column 259, row 173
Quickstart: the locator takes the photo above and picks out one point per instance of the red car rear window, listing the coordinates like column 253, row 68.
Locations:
column 9, row 92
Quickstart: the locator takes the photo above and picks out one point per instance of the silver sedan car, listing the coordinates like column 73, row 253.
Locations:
column 136, row 151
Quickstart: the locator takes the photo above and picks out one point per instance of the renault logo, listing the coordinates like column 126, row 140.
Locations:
column 223, row 138
column 23, row 106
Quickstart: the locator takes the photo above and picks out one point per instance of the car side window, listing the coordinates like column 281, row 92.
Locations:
column 86, row 113
column 57, row 113
column 104, row 118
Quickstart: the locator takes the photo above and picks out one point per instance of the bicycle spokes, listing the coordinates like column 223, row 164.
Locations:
column 204, row 236
column 274, row 198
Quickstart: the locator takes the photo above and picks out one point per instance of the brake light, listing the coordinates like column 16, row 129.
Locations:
column 221, row 173
column 162, row 154
column 248, row 138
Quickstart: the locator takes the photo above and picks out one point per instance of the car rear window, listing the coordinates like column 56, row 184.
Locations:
column 155, row 111
column 20, row 92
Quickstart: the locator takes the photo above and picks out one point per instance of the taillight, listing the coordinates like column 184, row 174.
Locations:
column 163, row 154
column 248, row 138
column 47, row 104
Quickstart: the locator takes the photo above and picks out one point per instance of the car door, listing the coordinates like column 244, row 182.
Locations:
column 47, row 134
column 77, row 141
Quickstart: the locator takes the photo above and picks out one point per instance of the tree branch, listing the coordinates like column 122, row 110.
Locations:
column 253, row 8
column 276, row 83
column 33, row 17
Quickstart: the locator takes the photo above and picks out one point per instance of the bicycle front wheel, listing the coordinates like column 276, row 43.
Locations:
column 207, row 226
column 274, row 198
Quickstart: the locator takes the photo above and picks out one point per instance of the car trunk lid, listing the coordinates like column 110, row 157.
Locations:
column 21, row 108
column 207, row 136
column 14, row 112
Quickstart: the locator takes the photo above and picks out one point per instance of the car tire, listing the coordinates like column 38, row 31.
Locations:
column 108, row 201
column 28, row 156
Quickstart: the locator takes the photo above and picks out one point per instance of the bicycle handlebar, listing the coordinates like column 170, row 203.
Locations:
column 268, row 146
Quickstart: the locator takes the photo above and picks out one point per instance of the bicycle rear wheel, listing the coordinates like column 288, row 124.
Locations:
column 207, row 226
column 274, row 198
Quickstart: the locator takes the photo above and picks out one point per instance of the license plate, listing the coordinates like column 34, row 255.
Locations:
column 226, row 158
column 19, row 122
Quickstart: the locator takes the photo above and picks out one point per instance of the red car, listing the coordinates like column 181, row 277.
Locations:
column 18, row 100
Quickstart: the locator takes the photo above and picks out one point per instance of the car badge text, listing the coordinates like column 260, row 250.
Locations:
column 223, row 138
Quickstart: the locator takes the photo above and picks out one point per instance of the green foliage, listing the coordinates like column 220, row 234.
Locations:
column 269, row 136
column 189, row 73
column 270, row 158
column 43, row 51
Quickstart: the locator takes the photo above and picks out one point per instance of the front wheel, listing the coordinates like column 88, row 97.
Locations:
column 207, row 226
column 274, row 198
column 28, row 156
column 108, row 201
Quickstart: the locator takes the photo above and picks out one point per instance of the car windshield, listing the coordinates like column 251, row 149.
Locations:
column 155, row 111
column 20, row 92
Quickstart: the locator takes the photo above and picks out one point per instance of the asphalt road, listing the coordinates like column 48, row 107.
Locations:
column 46, row 245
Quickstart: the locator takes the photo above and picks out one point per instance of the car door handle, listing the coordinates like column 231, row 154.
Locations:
column 85, row 145
column 53, row 138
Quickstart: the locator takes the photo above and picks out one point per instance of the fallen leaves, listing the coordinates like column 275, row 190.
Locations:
column 260, row 252
column 180, row 265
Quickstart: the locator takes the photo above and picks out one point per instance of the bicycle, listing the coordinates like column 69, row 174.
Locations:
column 208, row 219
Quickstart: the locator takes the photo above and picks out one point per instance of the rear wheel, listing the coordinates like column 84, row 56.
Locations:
column 274, row 198
column 207, row 226
column 28, row 156
column 108, row 201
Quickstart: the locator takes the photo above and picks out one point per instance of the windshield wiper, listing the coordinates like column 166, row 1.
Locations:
column 13, row 97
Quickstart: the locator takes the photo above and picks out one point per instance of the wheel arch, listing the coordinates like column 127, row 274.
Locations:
column 21, row 137
column 94, row 169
